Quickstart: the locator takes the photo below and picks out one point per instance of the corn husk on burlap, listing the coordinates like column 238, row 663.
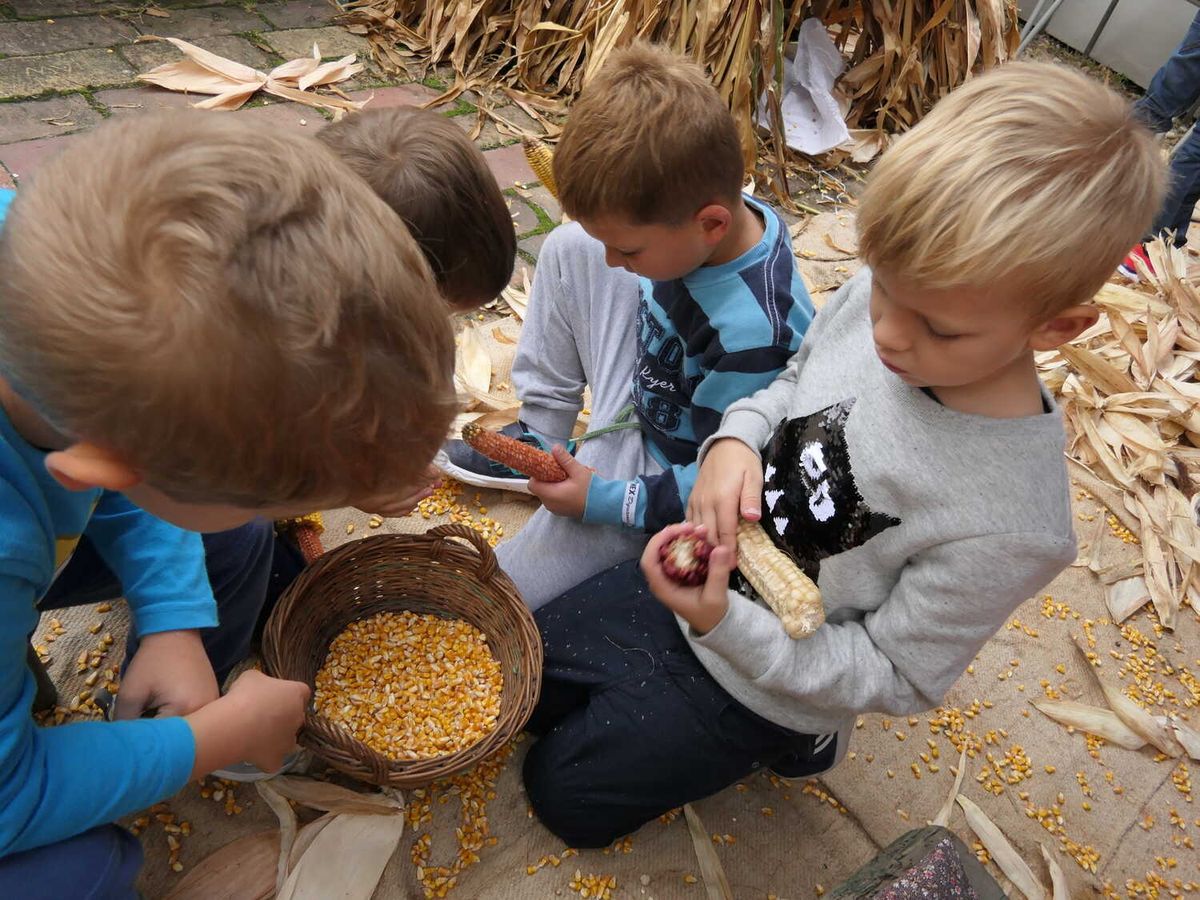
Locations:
column 1129, row 393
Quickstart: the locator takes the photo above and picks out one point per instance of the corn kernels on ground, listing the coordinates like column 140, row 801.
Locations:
column 411, row 686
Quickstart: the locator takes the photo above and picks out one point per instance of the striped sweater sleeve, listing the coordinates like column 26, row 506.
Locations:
column 651, row 502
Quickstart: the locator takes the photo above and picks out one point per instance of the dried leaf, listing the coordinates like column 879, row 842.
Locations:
column 345, row 859
column 1062, row 890
column 334, row 798
column 241, row 870
column 716, row 885
column 1092, row 719
column 287, row 828
column 1003, row 855
column 943, row 816
column 501, row 337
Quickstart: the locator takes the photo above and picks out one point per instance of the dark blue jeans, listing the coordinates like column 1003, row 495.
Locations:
column 1173, row 91
column 248, row 569
column 630, row 724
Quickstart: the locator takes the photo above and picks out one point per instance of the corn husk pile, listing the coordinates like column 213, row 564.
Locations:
column 903, row 54
column 1129, row 392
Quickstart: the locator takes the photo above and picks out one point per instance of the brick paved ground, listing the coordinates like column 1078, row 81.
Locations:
column 67, row 65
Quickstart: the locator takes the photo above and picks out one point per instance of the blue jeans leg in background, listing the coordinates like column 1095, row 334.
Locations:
column 1183, row 191
column 1176, row 86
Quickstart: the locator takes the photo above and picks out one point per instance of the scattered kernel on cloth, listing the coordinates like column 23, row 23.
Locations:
column 411, row 686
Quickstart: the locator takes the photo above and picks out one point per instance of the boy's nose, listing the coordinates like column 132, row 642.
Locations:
column 890, row 334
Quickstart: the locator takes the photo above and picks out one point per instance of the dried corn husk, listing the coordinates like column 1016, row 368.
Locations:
column 346, row 859
column 1129, row 392
column 306, row 836
column 241, row 870
column 1058, row 880
column 230, row 84
column 287, row 828
column 1139, row 720
column 1188, row 737
column 473, row 366
column 335, row 798
column 1003, row 855
column 901, row 56
column 943, row 816
column 716, row 884
column 1092, row 719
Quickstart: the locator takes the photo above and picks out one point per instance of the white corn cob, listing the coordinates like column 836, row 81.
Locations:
column 779, row 581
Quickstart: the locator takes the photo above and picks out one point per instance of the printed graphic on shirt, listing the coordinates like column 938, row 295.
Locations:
column 812, row 506
column 660, row 391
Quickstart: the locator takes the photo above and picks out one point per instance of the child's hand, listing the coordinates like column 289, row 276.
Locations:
column 729, row 485
column 256, row 722
column 704, row 606
column 169, row 672
column 395, row 507
column 564, row 498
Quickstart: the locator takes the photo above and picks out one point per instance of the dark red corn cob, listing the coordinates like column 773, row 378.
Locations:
column 685, row 559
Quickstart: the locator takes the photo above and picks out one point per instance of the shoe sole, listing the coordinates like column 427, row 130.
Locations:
column 1129, row 273
column 246, row 773
column 516, row 485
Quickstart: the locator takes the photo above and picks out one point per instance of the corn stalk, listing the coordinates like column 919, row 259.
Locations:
column 903, row 54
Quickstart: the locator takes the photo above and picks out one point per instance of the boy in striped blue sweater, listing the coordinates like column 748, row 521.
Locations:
column 672, row 295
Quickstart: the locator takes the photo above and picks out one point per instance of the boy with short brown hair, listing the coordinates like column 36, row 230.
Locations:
column 671, row 295
column 202, row 323
column 908, row 460
column 433, row 177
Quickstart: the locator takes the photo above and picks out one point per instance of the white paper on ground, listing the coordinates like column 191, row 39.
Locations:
column 813, row 120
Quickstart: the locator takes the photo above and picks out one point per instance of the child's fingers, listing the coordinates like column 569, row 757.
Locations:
column 720, row 563
column 751, row 500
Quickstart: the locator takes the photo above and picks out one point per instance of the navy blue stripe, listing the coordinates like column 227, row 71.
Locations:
column 663, row 504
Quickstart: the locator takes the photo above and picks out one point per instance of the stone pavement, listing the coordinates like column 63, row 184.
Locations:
column 67, row 65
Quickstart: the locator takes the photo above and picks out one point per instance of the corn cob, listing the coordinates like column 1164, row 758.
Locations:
column 541, row 160
column 525, row 458
column 787, row 590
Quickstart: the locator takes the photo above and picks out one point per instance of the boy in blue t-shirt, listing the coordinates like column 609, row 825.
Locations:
column 184, row 346
column 672, row 295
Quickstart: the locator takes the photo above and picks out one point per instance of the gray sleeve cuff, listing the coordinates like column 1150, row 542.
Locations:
column 747, row 425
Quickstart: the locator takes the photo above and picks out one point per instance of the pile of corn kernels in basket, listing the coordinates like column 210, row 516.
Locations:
column 411, row 686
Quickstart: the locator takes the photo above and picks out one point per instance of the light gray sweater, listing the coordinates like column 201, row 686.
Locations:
column 923, row 527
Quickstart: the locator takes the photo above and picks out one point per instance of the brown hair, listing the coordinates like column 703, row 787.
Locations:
column 649, row 139
column 437, row 181
column 231, row 311
column 1032, row 175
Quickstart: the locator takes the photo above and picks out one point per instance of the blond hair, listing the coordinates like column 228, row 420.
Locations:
column 427, row 170
column 1033, row 175
column 231, row 311
column 649, row 139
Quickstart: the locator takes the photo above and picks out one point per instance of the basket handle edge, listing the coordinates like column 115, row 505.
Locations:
column 488, row 565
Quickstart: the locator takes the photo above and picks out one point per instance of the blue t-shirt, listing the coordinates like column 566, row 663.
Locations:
column 59, row 782
column 714, row 336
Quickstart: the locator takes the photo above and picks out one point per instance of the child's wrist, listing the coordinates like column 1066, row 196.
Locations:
column 219, row 731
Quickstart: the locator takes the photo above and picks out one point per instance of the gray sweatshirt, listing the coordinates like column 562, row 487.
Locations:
column 923, row 527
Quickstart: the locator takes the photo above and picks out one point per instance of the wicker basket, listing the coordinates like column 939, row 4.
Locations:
column 428, row 573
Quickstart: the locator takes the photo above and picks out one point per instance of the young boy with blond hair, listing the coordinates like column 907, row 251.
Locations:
column 203, row 323
column 908, row 459
column 671, row 295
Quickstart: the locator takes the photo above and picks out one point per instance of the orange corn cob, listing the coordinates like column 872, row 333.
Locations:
column 541, row 160
column 525, row 458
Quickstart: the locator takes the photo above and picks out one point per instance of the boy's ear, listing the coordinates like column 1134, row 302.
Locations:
column 84, row 466
column 1065, row 326
column 714, row 221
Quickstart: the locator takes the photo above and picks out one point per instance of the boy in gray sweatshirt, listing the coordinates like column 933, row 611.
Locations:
column 908, row 459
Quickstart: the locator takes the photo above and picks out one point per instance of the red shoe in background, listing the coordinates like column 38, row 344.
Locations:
column 1129, row 267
